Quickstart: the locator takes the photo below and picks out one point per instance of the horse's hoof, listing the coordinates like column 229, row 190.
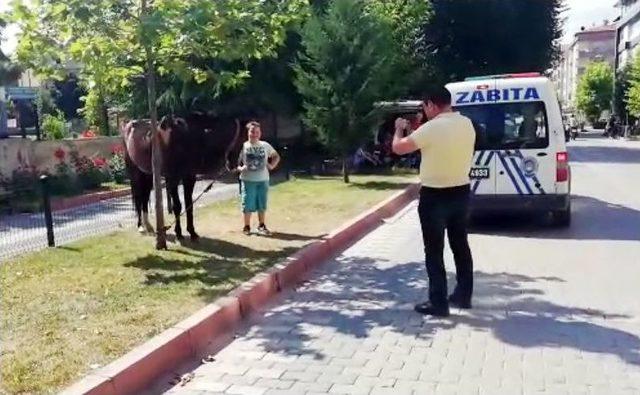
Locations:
column 194, row 237
column 141, row 229
column 179, row 237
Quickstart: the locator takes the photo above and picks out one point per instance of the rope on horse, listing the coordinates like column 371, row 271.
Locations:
column 207, row 189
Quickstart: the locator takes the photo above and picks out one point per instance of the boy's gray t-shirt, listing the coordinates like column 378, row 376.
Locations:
column 256, row 157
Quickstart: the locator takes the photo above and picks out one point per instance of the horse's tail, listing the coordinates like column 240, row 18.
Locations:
column 232, row 144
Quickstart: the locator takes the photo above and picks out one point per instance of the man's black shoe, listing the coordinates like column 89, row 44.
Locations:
column 427, row 308
column 459, row 302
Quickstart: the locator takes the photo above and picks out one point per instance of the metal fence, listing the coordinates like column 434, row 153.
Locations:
column 45, row 226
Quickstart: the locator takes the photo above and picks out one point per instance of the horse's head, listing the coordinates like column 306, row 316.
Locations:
column 173, row 129
column 137, row 141
column 216, row 139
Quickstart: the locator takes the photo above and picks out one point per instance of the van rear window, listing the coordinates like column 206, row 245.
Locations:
column 508, row 125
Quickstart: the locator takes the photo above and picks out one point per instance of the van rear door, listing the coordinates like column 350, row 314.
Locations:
column 517, row 135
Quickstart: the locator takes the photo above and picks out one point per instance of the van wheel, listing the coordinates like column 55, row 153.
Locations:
column 562, row 218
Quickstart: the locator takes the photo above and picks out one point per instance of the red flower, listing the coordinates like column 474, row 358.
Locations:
column 99, row 162
column 59, row 154
column 88, row 134
column 117, row 149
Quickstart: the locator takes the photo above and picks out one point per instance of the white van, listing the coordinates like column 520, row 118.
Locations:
column 521, row 161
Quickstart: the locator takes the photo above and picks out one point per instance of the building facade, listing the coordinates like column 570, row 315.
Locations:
column 627, row 33
column 594, row 44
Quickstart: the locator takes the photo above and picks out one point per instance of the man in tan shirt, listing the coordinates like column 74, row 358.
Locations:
column 446, row 144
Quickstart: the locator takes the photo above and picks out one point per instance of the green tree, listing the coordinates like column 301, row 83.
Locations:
column 407, row 20
column 118, row 41
column 478, row 37
column 9, row 71
column 633, row 92
column 595, row 90
column 621, row 89
column 346, row 66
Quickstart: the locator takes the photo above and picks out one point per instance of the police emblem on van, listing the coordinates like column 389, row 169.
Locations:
column 530, row 166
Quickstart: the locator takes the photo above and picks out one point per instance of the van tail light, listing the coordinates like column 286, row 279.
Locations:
column 562, row 167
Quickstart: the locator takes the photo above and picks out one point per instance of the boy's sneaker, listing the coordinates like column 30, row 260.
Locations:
column 262, row 230
column 246, row 230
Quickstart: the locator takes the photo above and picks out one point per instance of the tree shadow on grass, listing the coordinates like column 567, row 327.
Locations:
column 380, row 185
column 361, row 298
column 213, row 266
column 293, row 237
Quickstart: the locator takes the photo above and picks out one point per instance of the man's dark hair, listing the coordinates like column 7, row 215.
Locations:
column 252, row 124
column 440, row 96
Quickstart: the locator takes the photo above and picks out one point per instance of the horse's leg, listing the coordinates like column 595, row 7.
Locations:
column 177, row 207
column 138, row 204
column 146, row 195
column 169, row 202
column 136, row 194
column 189, row 182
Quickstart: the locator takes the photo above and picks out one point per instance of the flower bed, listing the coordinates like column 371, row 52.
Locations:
column 73, row 176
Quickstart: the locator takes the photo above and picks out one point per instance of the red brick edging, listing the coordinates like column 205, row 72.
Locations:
column 210, row 328
column 86, row 199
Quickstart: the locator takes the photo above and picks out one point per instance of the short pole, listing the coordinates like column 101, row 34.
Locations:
column 37, row 119
column 46, row 202
column 287, row 170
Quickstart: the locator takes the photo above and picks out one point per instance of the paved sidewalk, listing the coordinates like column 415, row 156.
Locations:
column 544, row 322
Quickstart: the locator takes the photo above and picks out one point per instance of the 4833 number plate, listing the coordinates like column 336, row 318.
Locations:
column 477, row 173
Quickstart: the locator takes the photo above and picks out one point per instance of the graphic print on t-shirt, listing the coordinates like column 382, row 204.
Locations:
column 256, row 158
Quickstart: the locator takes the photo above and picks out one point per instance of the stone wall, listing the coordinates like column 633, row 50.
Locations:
column 16, row 153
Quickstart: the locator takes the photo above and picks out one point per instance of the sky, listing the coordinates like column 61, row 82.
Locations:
column 585, row 13
column 580, row 13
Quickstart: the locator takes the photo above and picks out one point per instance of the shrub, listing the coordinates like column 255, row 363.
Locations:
column 25, row 190
column 89, row 175
column 63, row 181
column 54, row 126
column 117, row 167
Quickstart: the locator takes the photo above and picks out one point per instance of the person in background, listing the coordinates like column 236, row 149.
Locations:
column 257, row 159
column 417, row 121
column 446, row 143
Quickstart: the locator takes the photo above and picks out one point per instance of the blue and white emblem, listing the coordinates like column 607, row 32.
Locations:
column 530, row 166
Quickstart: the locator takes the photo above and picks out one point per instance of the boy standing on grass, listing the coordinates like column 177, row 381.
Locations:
column 257, row 159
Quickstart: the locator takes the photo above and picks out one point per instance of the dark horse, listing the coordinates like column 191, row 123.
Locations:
column 196, row 145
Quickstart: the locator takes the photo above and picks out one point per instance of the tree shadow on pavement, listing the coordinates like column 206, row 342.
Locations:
column 359, row 299
column 604, row 154
column 612, row 222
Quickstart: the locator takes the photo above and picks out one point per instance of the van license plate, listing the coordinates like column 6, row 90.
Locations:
column 478, row 173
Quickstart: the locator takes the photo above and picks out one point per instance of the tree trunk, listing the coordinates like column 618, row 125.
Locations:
column 104, row 115
column 156, row 153
column 345, row 169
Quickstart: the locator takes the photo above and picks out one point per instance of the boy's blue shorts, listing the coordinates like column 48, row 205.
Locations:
column 254, row 196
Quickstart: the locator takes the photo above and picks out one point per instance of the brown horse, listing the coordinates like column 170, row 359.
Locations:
column 137, row 142
column 196, row 145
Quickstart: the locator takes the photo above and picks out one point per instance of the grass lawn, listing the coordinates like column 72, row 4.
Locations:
column 68, row 310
